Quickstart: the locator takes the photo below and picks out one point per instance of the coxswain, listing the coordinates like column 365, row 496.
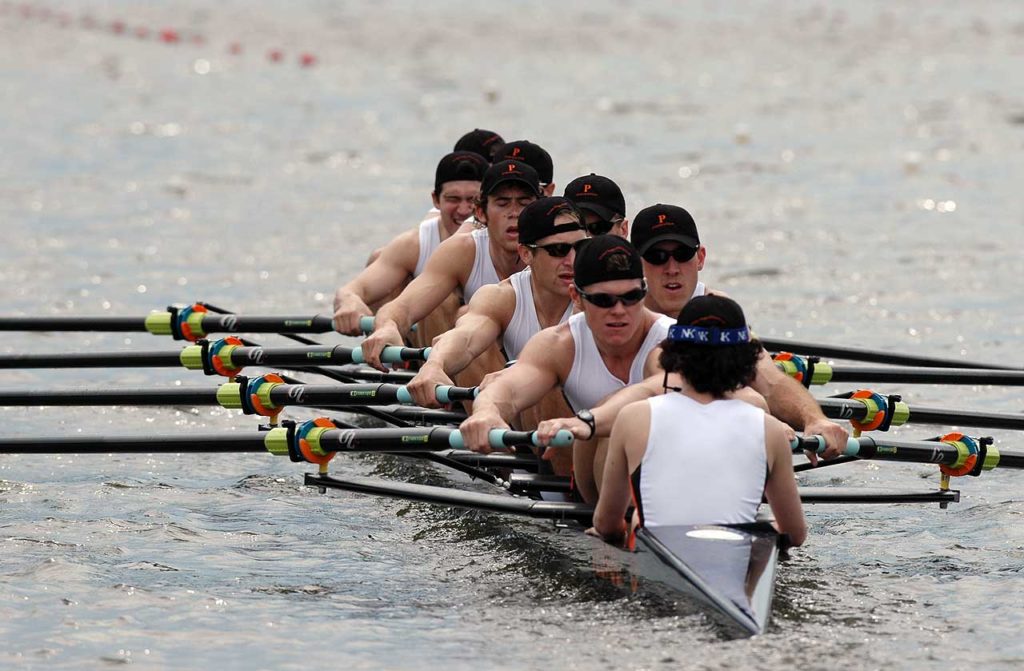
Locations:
column 463, row 262
column 607, row 345
column 698, row 455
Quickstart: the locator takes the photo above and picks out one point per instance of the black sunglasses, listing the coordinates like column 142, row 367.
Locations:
column 659, row 257
column 601, row 226
column 559, row 250
column 609, row 300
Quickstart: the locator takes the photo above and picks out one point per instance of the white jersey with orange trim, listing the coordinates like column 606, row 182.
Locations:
column 704, row 463
column 430, row 240
column 483, row 272
column 589, row 380
column 524, row 323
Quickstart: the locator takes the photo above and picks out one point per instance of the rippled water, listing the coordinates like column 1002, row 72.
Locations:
column 855, row 171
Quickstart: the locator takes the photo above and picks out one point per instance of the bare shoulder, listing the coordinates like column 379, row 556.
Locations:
column 552, row 348
column 497, row 301
column 716, row 292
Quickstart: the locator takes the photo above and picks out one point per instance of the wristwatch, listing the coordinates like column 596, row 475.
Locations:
column 587, row 418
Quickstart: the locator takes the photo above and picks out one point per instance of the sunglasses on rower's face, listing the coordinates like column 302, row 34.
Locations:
column 609, row 300
column 601, row 226
column 558, row 250
column 659, row 257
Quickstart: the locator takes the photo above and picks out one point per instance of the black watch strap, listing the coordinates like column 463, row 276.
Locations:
column 587, row 418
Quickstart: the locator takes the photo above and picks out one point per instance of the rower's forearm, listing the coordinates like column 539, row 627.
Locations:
column 608, row 410
column 397, row 312
column 790, row 402
column 455, row 350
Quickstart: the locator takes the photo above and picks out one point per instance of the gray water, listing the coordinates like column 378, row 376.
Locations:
column 855, row 170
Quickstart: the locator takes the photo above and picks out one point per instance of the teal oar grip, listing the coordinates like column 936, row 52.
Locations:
column 499, row 438
column 392, row 354
column 366, row 323
column 817, row 444
column 446, row 393
column 404, row 396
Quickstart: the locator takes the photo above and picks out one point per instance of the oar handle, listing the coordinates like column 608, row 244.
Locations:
column 505, row 438
column 394, row 354
column 366, row 324
column 444, row 393
column 817, row 444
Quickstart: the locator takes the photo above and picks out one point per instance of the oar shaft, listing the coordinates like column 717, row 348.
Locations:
column 92, row 360
column 101, row 323
column 133, row 444
column 874, row 356
column 100, row 397
column 962, row 376
column 838, row 408
column 924, row 451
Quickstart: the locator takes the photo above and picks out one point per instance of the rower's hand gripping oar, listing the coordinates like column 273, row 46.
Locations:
column 317, row 441
column 366, row 324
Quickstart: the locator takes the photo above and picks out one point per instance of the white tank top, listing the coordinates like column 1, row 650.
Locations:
column 483, row 272
column 699, row 290
column 524, row 324
column 430, row 238
column 704, row 464
column 589, row 380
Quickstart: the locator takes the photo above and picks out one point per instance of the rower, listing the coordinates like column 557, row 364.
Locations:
column 456, row 187
column 511, row 312
column 534, row 156
column 697, row 455
column 595, row 353
column 602, row 203
column 465, row 262
column 666, row 237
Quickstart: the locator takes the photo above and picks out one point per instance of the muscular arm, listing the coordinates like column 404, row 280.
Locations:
column 489, row 313
column 789, row 401
column 780, row 489
column 631, row 427
column 446, row 270
column 395, row 264
column 541, row 366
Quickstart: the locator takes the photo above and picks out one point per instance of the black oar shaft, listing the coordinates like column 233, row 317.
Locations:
column 98, row 397
column 100, row 323
column 837, row 408
column 961, row 376
column 874, row 356
column 133, row 444
column 92, row 360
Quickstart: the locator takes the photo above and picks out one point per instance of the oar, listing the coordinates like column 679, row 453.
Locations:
column 953, row 451
column 874, row 356
column 321, row 440
column 874, row 411
column 810, row 371
column 226, row 357
column 189, row 323
column 252, row 395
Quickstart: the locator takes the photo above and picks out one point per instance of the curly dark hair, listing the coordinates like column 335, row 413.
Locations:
column 711, row 370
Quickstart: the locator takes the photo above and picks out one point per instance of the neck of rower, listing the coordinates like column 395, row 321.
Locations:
column 447, row 230
column 618, row 359
column 652, row 304
column 549, row 305
column 505, row 262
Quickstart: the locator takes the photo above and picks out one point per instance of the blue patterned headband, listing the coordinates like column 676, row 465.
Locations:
column 713, row 336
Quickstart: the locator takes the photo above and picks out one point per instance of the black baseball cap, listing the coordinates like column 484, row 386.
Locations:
column 659, row 222
column 483, row 142
column 458, row 166
column 531, row 154
column 537, row 220
column 504, row 172
column 604, row 258
column 597, row 194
